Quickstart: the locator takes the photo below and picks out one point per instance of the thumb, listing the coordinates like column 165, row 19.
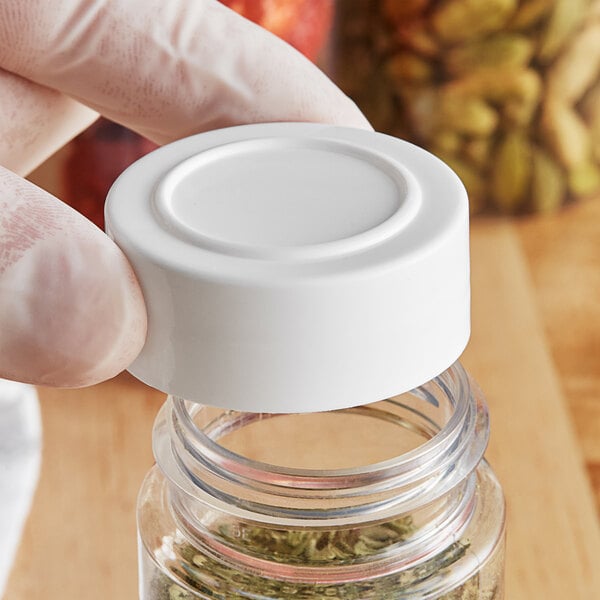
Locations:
column 71, row 311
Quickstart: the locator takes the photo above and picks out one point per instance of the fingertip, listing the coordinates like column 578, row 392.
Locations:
column 71, row 311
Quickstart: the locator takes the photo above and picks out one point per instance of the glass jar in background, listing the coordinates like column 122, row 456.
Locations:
column 387, row 501
column 95, row 159
column 507, row 92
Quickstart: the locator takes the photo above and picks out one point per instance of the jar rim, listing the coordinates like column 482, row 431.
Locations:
column 404, row 463
column 207, row 471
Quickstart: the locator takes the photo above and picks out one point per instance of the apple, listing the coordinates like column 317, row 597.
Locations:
column 304, row 24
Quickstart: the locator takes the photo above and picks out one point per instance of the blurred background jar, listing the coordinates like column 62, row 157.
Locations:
column 507, row 92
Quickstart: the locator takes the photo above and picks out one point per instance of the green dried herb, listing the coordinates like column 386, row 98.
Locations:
column 210, row 577
column 313, row 547
column 177, row 593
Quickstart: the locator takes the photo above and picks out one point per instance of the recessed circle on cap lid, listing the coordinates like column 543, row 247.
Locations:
column 266, row 294
column 286, row 198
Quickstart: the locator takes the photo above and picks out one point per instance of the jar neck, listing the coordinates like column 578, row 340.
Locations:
column 429, row 488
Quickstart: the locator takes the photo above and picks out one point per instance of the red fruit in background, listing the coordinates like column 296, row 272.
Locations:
column 304, row 24
column 251, row 9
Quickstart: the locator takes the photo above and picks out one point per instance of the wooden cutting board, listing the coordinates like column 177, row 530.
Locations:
column 554, row 536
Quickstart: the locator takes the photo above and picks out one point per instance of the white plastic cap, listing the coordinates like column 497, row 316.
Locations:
column 293, row 267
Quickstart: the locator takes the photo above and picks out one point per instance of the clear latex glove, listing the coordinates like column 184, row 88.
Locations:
column 71, row 311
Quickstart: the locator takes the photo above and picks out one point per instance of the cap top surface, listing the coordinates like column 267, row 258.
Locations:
column 285, row 198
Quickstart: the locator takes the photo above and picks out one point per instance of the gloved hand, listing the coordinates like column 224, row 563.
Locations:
column 166, row 69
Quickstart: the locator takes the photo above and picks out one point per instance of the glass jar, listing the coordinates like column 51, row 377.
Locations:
column 507, row 92
column 309, row 271
column 390, row 500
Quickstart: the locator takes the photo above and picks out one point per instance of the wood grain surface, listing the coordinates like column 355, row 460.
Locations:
column 562, row 254
column 554, row 537
column 535, row 352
